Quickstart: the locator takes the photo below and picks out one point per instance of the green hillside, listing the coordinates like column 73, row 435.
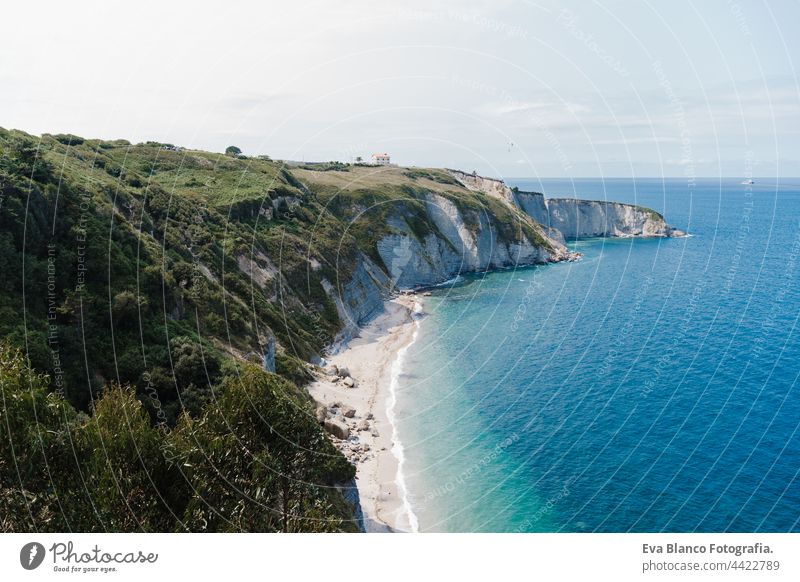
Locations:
column 143, row 285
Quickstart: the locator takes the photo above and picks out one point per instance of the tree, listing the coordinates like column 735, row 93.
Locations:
column 232, row 151
column 254, row 459
column 32, row 422
column 125, row 308
column 61, row 470
column 133, row 485
column 258, row 453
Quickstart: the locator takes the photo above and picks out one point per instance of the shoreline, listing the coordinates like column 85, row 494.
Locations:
column 355, row 398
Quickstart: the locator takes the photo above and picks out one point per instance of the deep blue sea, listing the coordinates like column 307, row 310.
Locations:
column 651, row 386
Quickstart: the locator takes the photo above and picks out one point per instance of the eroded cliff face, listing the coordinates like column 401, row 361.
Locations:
column 475, row 225
column 533, row 204
column 359, row 298
column 569, row 218
column 489, row 186
column 589, row 218
column 463, row 241
column 459, row 241
column 456, row 245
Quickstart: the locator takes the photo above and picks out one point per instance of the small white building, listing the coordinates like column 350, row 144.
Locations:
column 381, row 159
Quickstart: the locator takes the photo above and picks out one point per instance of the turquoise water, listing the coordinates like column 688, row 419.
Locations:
column 651, row 386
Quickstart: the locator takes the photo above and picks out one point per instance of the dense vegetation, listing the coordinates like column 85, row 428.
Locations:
column 128, row 255
column 253, row 460
column 148, row 288
column 121, row 268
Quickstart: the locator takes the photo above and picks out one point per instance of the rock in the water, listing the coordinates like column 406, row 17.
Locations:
column 337, row 428
column 349, row 382
column 348, row 411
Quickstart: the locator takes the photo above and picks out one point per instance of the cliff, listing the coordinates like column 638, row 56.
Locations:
column 590, row 218
column 571, row 218
column 489, row 186
column 460, row 242
column 421, row 227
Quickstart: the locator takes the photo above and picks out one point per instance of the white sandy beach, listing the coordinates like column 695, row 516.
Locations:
column 372, row 360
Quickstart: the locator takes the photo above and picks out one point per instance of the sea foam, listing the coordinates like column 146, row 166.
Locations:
column 397, row 445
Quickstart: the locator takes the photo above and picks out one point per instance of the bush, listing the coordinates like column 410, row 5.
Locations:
column 68, row 139
column 279, row 480
column 125, row 308
column 293, row 369
column 253, row 459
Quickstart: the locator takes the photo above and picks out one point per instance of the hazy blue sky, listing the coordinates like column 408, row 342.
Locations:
column 510, row 88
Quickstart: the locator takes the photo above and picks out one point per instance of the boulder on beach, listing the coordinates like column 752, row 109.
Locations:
column 362, row 425
column 343, row 372
column 337, row 428
column 347, row 411
column 321, row 413
column 349, row 382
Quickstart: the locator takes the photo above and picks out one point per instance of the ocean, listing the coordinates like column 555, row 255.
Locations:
column 649, row 387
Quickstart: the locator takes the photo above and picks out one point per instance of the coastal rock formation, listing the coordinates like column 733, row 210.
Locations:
column 571, row 218
column 588, row 218
column 451, row 235
column 461, row 241
column 489, row 186
column 359, row 298
column 533, row 204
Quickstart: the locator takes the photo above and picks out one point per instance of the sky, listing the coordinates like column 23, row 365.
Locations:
column 507, row 88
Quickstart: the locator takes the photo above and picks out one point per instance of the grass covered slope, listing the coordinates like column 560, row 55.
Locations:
column 133, row 256
column 174, row 298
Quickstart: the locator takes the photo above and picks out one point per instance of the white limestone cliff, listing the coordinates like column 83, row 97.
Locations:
column 570, row 218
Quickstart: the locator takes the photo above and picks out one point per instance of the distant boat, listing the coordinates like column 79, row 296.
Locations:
column 748, row 182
